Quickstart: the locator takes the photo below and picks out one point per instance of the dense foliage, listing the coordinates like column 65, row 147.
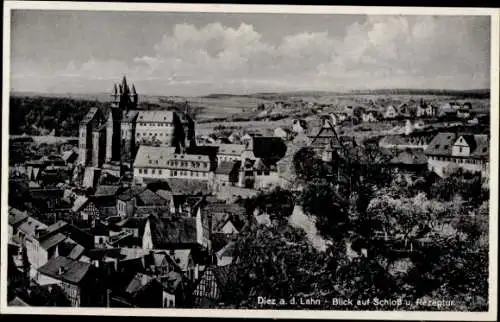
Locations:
column 43, row 115
column 409, row 237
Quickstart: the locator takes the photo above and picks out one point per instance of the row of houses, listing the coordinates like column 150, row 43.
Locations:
column 157, row 255
column 410, row 110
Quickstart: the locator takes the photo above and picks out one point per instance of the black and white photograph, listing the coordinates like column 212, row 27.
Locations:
column 263, row 161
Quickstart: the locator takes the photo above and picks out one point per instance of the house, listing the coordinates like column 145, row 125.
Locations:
column 226, row 218
column 141, row 291
column 175, row 232
column 70, row 157
column 284, row 133
column 16, row 218
column 229, row 152
column 338, row 118
column 85, row 209
column 234, row 138
column 227, row 255
column 426, row 110
column 138, row 199
column 177, row 291
column 186, row 261
column 54, row 241
column 299, row 126
column 447, row 111
column 258, row 162
column 161, row 263
column 467, row 151
column 371, row 115
column 227, row 173
column 409, row 160
column 163, row 163
column 78, row 280
column 215, row 286
column 29, row 228
column 464, row 113
column 402, row 111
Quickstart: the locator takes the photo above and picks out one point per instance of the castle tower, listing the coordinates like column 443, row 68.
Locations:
column 134, row 97
column 109, row 126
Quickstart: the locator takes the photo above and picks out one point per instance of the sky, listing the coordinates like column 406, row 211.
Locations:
column 201, row 53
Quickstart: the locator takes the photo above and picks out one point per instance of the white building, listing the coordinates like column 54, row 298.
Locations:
column 467, row 151
column 163, row 163
column 155, row 127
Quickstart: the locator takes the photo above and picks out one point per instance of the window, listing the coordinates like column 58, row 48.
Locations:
column 266, row 173
column 460, row 149
column 146, row 171
column 159, row 171
column 153, row 171
column 150, row 161
column 259, row 173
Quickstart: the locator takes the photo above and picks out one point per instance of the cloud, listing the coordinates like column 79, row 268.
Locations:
column 383, row 51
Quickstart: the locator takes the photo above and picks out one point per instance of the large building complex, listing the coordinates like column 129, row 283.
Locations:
column 114, row 137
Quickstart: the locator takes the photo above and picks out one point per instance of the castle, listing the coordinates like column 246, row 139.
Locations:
column 112, row 139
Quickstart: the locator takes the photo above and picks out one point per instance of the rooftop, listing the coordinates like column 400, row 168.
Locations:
column 156, row 116
column 49, row 242
column 65, row 269
column 16, row 216
column 226, row 167
column 231, row 149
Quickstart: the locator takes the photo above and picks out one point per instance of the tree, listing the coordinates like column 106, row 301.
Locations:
column 308, row 165
column 320, row 199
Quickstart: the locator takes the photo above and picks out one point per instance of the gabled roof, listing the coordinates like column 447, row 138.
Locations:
column 79, row 203
column 76, row 252
column 226, row 167
column 138, row 283
column 168, row 232
column 413, row 157
column 231, row 149
column 66, row 155
column 49, row 242
column 156, row 116
column 17, row 302
column 228, row 250
column 149, row 198
column 224, row 276
column 181, row 258
column 442, row 144
column 172, row 281
column 55, row 227
column 106, row 190
column 16, row 216
column 128, row 193
column 30, row 225
column 73, row 271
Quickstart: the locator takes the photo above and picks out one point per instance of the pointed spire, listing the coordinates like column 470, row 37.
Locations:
column 124, row 85
column 115, row 89
column 133, row 89
column 121, row 88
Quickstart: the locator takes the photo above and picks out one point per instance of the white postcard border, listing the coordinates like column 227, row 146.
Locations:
column 288, row 9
